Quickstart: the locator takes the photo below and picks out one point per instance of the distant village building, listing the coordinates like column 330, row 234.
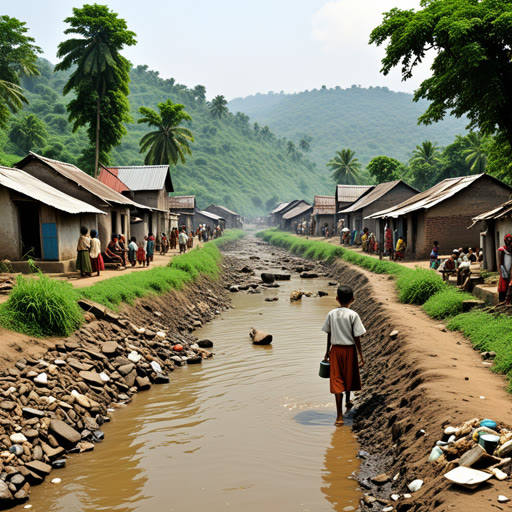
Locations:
column 184, row 207
column 378, row 198
column 40, row 222
column 208, row 219
column 347, row 195
column 278, row 212
column 443, row 213
column 324, row 211
column 72, row 181
column 233, row 220
column 495, row 224
column 149, row 185
column 300, row 213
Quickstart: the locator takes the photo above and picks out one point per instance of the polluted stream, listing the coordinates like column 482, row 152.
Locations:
column 250, row 428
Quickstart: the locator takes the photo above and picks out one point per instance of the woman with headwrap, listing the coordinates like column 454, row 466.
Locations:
column 504, row 268
column 95, row 253
column 113, row 252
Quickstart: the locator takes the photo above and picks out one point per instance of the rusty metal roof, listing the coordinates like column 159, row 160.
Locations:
column 431, row 197
column 503, row 211
column 182, row 202
column 379, row 191
column 351, row 193
column 24, row 183
column 108, row 176
column 144, row 177
column 324, row 205
column 82, row 179
column 298, row 210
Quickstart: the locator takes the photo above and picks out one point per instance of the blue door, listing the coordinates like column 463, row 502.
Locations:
column 50, row 245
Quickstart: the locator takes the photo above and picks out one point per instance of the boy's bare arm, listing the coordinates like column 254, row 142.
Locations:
column 328, row 351
column 357, row 341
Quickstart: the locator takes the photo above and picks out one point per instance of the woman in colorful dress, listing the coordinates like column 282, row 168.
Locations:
column 97, row 263
column 505, row 269
column 83, row 261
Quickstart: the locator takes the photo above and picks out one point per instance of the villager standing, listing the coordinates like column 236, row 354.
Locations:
column 163, row 244
column 122, row 244
column 141, row 255
column 150, row 250
column 97, row 263
column 190, row 241
column 388, row 237
column 173, row 238
column 344, row 329
column 83, row 261
column 434, row 256
column 505, row 269
column 132, row 251
column 182, row 240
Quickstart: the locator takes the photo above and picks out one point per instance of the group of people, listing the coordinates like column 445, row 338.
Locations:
column 459, row 262
column 369, row 242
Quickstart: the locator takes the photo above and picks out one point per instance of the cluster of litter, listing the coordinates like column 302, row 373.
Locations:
column 474, row 452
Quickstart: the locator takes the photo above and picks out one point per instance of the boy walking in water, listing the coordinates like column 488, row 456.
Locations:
column 344, row 329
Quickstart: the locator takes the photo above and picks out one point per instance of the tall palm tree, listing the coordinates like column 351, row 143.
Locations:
column 427, row 153
column 476, row 154
column 28, row 133
column 345, row 167
column 11, row 94
column 169, row 143
column 218, row 106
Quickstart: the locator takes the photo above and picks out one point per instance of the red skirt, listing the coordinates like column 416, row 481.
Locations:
column 97, row 263
column 344, row 369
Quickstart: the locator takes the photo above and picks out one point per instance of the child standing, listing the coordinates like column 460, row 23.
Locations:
column 132, row 251
column 141, row 254
column 95, row 253
column 344, row 329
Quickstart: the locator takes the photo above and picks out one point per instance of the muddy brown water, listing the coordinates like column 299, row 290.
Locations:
column 250, row 429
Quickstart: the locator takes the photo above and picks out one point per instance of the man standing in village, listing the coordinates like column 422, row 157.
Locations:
column 182, row 240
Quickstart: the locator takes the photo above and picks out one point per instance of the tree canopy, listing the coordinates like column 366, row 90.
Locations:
column 384, row 168
column 471, row 72
column 28, row 133
column 18, row 57
column 100, row 80
column 169, row 143
column 219, row 106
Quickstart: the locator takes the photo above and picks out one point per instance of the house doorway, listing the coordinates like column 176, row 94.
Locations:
column 29, row 230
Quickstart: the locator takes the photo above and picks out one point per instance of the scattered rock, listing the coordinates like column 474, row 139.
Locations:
column 381, row 479
column 205, row 343
column 271, row 299
column 66, row 434
column 296, row 295
column 267, row 278
column 393, row 334
column 92, row 378
column 260, row 337
column 308, row 275
column 322, row 294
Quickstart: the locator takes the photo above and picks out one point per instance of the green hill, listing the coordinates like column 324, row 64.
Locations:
column 232, row 164
column 371, row 122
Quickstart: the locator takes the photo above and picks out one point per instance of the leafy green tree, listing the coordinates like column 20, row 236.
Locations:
column 471, row 72
column 290, row 147
column 345, row 167
column 18, row 57
column 453, row 161
column 384, row 168
column 476, row 153
column 199, row 92
column 424, row 165
column 499, row 159
column 100, row 77
column 219, row 107
column 305, row 143
column 169, row 143
column 28, row 133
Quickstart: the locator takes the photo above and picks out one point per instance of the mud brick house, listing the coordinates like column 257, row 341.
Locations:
column 184, row 207
column 494, row 225
column 148, row 185
column 300, row 213
column 347, row 195
column 40, row 222
column 233, row 220
column 444, row 212
column 209, row 219
column 324, row 212
column 381, row 197
column 72, row 181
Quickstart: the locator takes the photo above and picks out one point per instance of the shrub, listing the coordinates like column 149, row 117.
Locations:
column 40, row 306
column 446, row 303
column 417, row 286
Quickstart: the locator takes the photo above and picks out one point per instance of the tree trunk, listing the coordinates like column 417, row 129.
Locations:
column 97, row 151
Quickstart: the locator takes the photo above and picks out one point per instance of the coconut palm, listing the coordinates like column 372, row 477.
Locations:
column 11, row 94
column 427, row 153
column 345, row 167
column 28, row 133
column 218, row 106
column 476, row 154
column 169, row 143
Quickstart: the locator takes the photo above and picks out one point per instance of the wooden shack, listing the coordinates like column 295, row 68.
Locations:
column 347, row 195
column 324, row 212
column 184, row 207
column 300, row 213
column 233, row 220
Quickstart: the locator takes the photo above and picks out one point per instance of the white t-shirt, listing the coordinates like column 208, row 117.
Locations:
column 343, row 324
column 95, row 248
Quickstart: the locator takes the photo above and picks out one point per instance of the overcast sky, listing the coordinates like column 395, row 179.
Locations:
column 240, row 47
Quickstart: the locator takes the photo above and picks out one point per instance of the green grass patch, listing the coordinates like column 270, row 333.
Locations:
column 446, row 303
column 417, row 286
column 40, row 306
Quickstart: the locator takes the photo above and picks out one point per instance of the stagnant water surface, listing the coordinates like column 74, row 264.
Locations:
column 248, row 430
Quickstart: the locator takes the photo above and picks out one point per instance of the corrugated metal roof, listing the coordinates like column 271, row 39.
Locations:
column 424, row 200
column 210, row 215
column 380, row 190
column 324, row 205
column 109, row 177
column 26, row 184
column 502, row 212
column 224, row 209
column 182, row 202
column 280, row 207
column 82, row 179
column 351, row 193
column 144, row 177
column 298, row 210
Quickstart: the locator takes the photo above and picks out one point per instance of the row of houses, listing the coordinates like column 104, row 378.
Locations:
column 457, row 212
column 44, row 202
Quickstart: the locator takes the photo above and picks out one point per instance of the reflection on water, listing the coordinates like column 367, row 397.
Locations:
column 250, row 428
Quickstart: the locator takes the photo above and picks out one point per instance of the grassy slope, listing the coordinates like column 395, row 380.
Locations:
column 230, row 165
column 371, row 122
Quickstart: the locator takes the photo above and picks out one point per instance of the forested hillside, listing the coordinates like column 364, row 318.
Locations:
column 232, row 164
column 371, row 122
